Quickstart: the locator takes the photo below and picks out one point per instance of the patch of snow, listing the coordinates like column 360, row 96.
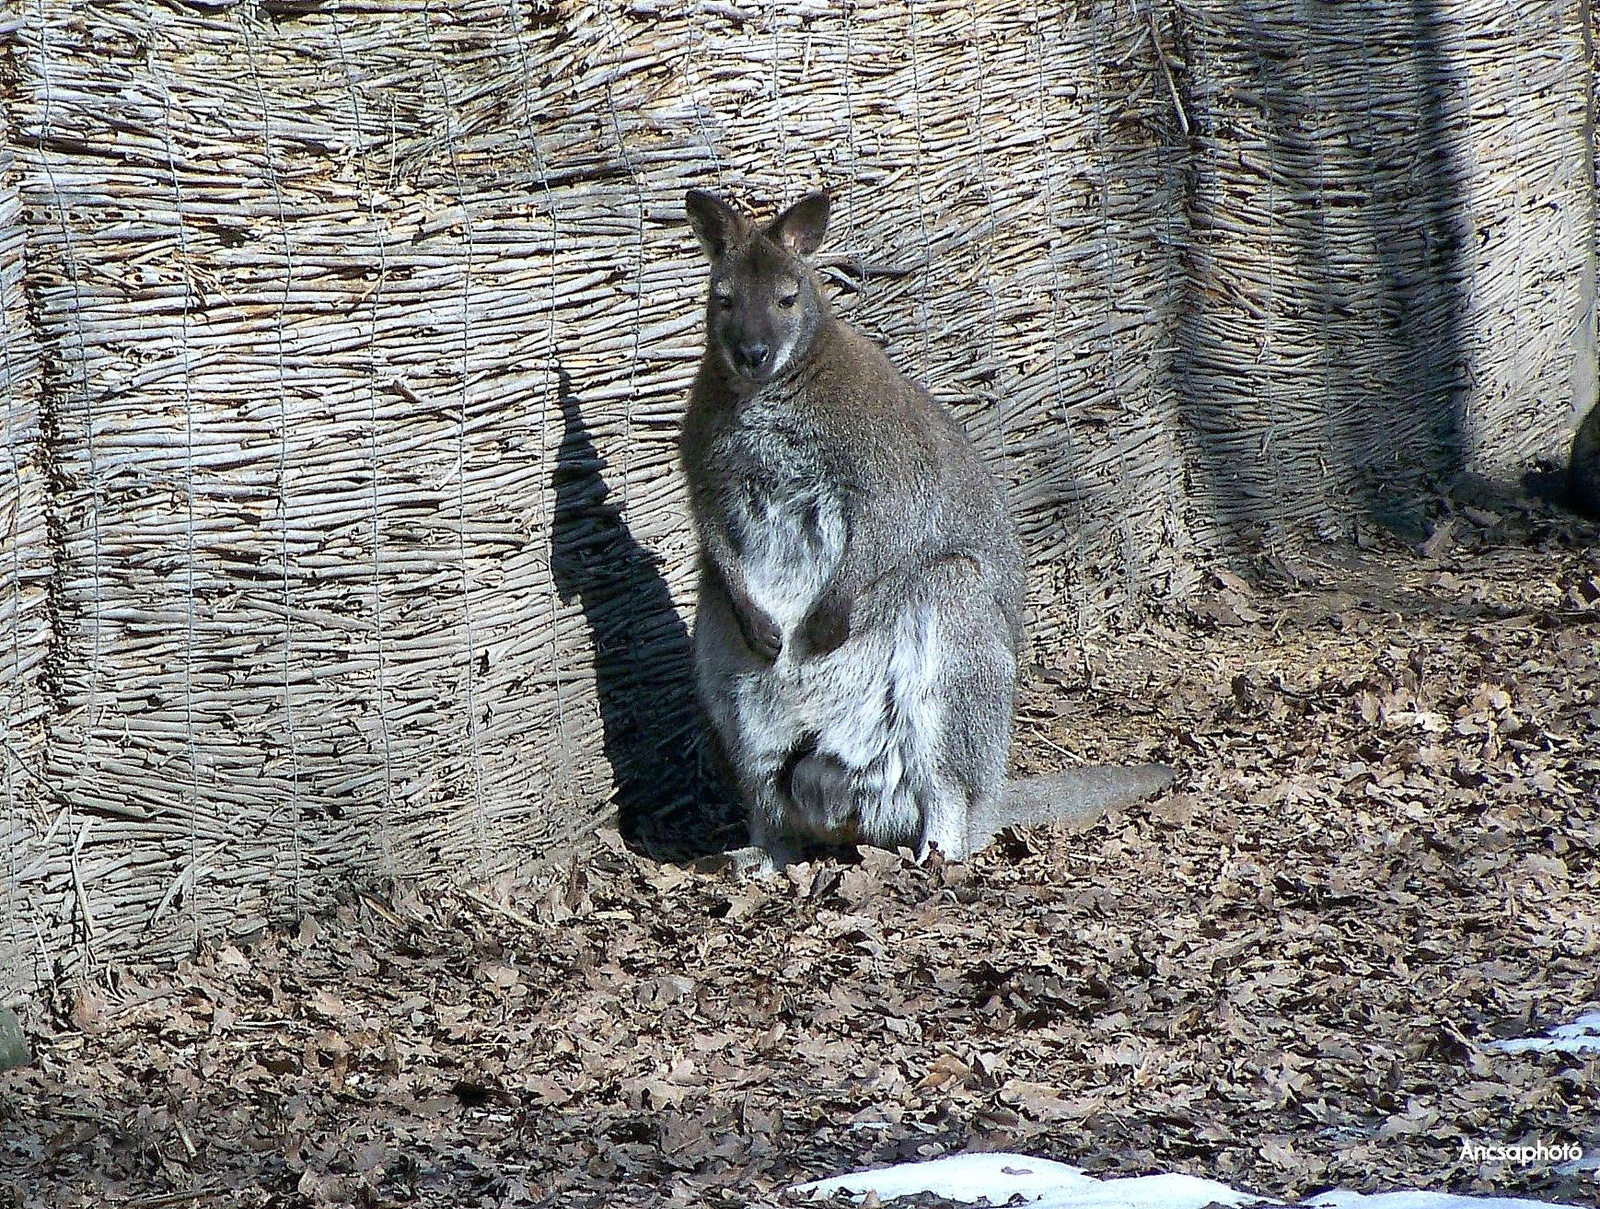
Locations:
column 1045, row 1184
column 1419, row 1200
column 1582, row 1034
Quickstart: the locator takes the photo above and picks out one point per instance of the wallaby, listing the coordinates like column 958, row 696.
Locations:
column 861, row 581
column 1583, row 468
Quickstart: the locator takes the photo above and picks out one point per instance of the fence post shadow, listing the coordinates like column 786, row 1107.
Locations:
column 670, row 802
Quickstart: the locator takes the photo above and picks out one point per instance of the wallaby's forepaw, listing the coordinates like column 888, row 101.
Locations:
column 828, row 625
column 761, row 633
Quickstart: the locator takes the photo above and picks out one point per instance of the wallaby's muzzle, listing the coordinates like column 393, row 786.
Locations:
column 750, row 357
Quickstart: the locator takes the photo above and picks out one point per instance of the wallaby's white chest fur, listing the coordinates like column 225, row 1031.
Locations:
column 789, row 540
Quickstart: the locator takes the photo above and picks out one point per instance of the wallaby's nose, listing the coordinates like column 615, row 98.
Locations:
column 751, row 354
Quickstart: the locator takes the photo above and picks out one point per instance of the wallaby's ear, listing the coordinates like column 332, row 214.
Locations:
column 716, row 224
column 800, row 228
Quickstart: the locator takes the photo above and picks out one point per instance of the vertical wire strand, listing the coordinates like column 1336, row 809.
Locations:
column 620, row 136
column 985, row 246
column 280, row 216
column 190, row 879
column 93, row 706
column 386, row 806
column 469, row 246
column 924, row 321
column 1069, row 448
column 549, row 392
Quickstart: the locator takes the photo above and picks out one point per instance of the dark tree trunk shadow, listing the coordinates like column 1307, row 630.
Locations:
column 1372, row 233
column 670, row 802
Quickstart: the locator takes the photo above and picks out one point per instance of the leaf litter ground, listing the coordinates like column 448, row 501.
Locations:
column 1286, row 975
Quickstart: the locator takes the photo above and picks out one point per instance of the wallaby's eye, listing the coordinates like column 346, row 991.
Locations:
column 787, row 301
column 724, row 302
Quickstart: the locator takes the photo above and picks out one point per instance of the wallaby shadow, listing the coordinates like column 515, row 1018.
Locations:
column 670, row 803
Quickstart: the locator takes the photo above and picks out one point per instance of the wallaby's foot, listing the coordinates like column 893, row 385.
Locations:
column 774, row 849
column 748, row 861
column 944, row 826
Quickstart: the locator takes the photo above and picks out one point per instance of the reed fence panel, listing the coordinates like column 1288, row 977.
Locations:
column 343, row 536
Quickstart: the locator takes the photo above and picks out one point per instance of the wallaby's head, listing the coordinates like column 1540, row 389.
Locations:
column 766, row 303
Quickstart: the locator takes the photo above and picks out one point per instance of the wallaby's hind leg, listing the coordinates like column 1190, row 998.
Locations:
column 976, row 685
column 913, row 715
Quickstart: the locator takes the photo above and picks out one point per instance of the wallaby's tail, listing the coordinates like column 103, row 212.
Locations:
column 1075, row 796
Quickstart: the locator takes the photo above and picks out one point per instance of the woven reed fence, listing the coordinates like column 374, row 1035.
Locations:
column 344, row 345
